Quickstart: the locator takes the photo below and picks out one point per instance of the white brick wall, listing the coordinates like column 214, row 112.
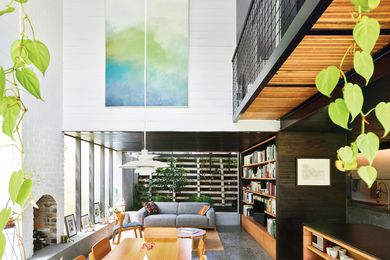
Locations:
column 212, row 42
column 42, row 128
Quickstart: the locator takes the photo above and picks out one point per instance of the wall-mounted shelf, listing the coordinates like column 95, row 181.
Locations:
column 261, row 194
column 270, row 213
column 259, row 179
column 258, row 164
column 246, row 202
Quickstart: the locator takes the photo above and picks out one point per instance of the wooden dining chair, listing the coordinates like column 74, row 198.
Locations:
column 125, row 227
column 101, row 249
column 202, row 250
column 91, row 257
column 80, row 257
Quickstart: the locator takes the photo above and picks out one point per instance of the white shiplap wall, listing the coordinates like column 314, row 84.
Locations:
column 212, row 42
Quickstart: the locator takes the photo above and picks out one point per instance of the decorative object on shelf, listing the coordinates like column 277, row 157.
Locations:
column 313, row 172
column 96, row 212
column 70, row 224
column 84, row 222
column 343, row 111
column 162, row 59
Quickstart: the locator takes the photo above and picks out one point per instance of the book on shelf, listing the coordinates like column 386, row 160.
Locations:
column 268, row 154
column 271, row 226
column 247, row 210
column 247, row 197
column 269, row 203
column 266, row 188
column 264, row 171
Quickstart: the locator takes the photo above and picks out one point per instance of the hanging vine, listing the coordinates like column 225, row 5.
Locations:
column 27, row 54
column 345, row 110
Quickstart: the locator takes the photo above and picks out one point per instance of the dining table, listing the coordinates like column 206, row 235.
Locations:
column 136, row 249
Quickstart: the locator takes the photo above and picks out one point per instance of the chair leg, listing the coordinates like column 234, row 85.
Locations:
column 119, row 236
column 140, row 231
column 135, row 232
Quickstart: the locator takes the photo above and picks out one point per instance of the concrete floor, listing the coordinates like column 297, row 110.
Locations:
column 238, row 244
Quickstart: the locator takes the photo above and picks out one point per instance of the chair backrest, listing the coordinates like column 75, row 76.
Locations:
column 91, row 256
column 120, row 216
column 80, row 257
column 101, row 248
column 201, row 249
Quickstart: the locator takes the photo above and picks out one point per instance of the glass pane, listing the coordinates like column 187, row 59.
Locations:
column 97, row 172
column 84, row 178
column 69, row 175
column 117, row 176
column 106, row 177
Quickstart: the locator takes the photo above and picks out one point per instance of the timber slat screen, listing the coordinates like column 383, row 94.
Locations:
column 209, row 174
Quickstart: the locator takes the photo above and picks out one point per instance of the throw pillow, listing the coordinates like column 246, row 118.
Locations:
column 203, row 210
column 151, row 208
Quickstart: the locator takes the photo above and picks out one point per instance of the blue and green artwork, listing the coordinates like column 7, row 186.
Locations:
column 166, row 55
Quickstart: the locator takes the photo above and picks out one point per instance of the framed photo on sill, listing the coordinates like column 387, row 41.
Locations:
column 84, row 222
column 313, row 172
column 70, row 225
column 96, row 212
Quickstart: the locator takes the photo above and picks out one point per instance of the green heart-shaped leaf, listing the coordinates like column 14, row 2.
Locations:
column 365, row 5
column 38, row 54
column 2, row 82
column 346, row 154
column 369, row 145
column 21, row 1
column 368, row 174
column 9, row 108
column 2, row 244
column 7, row 10
column 327, row 80
column 24, row 192
column 338, row 113
column 29, row 81
column 19, row 54
column 364, row 65
column 15, row 183
column 4, row 216
column 353, row 97
column 382, row 112
column 366, row 33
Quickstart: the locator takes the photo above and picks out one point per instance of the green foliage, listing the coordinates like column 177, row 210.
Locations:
column 365, row 35
column 338, row 113
column 382, row 112
column 353, row 97
column 140, row 196
column 327, row 80
column 161, row 198
column 26, row 54
column 172, row 179
column 201, row 198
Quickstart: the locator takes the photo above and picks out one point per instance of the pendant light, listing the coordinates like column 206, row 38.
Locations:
column 145, row 165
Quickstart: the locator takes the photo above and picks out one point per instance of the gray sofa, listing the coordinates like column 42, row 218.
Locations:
column 178, row 214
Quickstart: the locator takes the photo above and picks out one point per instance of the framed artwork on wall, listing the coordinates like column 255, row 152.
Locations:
column 84, row 222
column 96, row 212
column 313, row 172
column 70, row 224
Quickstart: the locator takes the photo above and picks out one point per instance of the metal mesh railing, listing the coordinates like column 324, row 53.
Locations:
column 266, row 23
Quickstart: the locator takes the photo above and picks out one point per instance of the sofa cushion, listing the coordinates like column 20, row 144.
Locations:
column 190, row 207
column 160, row 220
column 167, row 207
column 192, row 220
column 151, row 208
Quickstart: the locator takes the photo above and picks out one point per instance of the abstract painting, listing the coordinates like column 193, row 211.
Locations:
column 166, row 55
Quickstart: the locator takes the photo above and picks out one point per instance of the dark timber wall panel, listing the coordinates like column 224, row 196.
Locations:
column 300, row 204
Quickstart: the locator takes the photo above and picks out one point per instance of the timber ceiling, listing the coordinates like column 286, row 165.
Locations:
column 325, row 45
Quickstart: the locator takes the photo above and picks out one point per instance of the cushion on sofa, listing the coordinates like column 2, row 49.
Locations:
column 151, row 208
column 190, row 207
column 167, row 207
column 160, row 220
column 192, row 220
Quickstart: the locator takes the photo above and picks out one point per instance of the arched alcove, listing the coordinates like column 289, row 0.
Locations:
column 45, row 222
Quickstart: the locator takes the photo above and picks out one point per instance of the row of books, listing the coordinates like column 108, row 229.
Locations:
column 261, row 156
column 247, row 210
column 248, row 197
column 268, row 188
column 271, row 226
column 265, row 171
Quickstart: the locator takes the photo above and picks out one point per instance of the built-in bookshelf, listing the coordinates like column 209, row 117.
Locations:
column 258, row 186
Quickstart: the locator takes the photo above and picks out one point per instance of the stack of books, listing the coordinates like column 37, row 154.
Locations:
column 271, row 152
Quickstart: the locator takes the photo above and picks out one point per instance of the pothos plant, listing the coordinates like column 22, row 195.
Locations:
column 28, row 55
column 345, row 110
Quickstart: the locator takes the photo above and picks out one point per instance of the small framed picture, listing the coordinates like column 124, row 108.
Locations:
column 96, row 212
column 70, row 224
column 313, row 172
column 84, row 222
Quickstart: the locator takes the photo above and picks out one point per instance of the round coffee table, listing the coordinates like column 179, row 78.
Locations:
column 193, row 233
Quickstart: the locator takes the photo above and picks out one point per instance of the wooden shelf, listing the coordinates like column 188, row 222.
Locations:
column 269, row 213
column 259, row 179
column 257, row 164
column 247, row 202
column 261, row 194
column 319, row 253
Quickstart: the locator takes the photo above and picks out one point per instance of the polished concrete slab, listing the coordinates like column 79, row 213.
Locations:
column 238, row 244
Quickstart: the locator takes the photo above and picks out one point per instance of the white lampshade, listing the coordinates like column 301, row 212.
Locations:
column 145, row 165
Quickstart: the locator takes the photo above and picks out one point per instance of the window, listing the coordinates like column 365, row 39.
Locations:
column 84, row 178
column 107, row 177
column 117, row 176
column 97, row 172
column 69, row 175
